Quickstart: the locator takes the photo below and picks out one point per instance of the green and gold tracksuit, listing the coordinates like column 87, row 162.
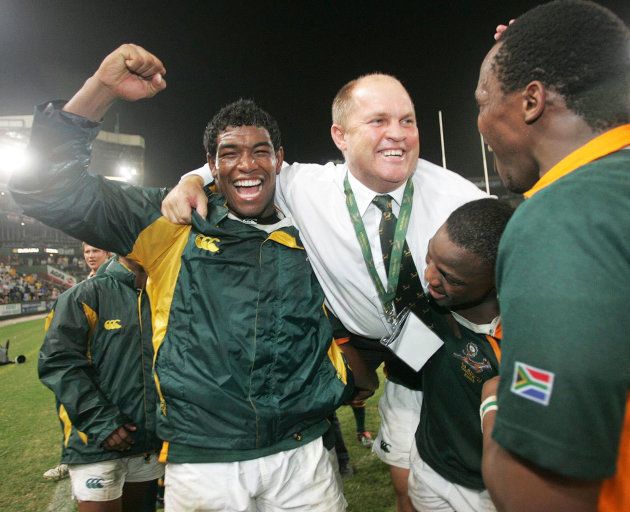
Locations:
column 244, row 365
column 96, row 358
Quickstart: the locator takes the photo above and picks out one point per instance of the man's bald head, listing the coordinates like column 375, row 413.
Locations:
column 374, row 127
column 342, row 104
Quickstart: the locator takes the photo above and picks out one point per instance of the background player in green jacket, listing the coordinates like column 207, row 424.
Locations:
column 96, row 358
column 245, row 368
column 94, row 258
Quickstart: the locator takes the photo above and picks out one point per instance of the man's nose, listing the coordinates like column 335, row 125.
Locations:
column 246, row 162
column 431, row 276
column 395, row 132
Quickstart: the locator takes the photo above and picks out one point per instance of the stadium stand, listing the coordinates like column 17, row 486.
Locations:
column 37, row 262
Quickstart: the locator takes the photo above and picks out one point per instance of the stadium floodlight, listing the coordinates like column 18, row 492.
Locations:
column 126, row 172
column 13, row 158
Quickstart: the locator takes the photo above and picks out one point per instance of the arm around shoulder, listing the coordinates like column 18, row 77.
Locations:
column 188, row 194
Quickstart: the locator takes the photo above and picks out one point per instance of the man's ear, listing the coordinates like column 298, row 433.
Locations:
column 534, row 101
column 338, row 134
column 212, row 164
column 279, row 159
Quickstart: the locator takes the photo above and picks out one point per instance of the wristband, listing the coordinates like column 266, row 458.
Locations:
column 489, row 404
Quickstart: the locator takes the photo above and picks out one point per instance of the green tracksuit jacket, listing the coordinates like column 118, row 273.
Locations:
column 96, row 358
column 245, row 364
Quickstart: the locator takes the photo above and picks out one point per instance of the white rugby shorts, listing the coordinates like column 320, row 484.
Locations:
column 399, row 409
column 104, row 481
column 431, row 492
column 300, row 480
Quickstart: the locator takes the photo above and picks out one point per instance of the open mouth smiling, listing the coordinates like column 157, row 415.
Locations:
column 248, row 188
column 393, row 154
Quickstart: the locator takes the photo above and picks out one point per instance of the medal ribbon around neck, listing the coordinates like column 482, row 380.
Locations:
column 386, row 296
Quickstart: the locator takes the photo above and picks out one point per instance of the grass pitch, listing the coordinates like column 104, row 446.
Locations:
column 29, row 430
column 30, row 436
column 370, row 488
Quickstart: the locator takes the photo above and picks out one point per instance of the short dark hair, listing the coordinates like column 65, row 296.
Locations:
column 240, row 113
column 477, row 227
column 577, row 48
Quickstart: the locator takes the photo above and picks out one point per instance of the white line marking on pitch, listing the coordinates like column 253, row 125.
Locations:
column 62, row 498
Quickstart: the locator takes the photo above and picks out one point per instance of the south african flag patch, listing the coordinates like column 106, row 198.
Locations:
column 532, row 383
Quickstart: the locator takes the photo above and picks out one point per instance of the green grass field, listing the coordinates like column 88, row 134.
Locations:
column 30, row 437
column 29, row 431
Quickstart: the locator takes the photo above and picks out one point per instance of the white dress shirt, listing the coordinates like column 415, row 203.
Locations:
column 313, row 196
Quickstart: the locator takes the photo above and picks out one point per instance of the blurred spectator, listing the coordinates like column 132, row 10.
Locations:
column 24, row 287
column 94, row 257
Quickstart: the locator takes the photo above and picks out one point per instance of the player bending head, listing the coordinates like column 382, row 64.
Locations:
column 462, row 254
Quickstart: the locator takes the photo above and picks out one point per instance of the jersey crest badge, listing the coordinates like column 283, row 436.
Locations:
column 471, row 357
column 207, row 243
column 532, row 383
column 111, row 325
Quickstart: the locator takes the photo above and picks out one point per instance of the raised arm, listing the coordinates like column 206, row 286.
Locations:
column 57, row 188
column 129, row 73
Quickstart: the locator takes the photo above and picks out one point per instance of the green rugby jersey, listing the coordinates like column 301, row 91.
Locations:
column 563, row 276
column 448, row 437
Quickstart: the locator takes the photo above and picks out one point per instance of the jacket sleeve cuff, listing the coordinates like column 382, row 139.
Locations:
column 116, row 422
column 56, row 136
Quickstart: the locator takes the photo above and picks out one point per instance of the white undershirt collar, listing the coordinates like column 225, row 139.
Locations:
column 489, row 329
column 284, row 222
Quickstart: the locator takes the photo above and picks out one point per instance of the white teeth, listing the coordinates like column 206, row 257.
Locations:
column 247, row 183
column 393, row 152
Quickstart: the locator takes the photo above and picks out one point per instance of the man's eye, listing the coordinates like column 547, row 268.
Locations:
column 377, row 121
column 409, row 122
